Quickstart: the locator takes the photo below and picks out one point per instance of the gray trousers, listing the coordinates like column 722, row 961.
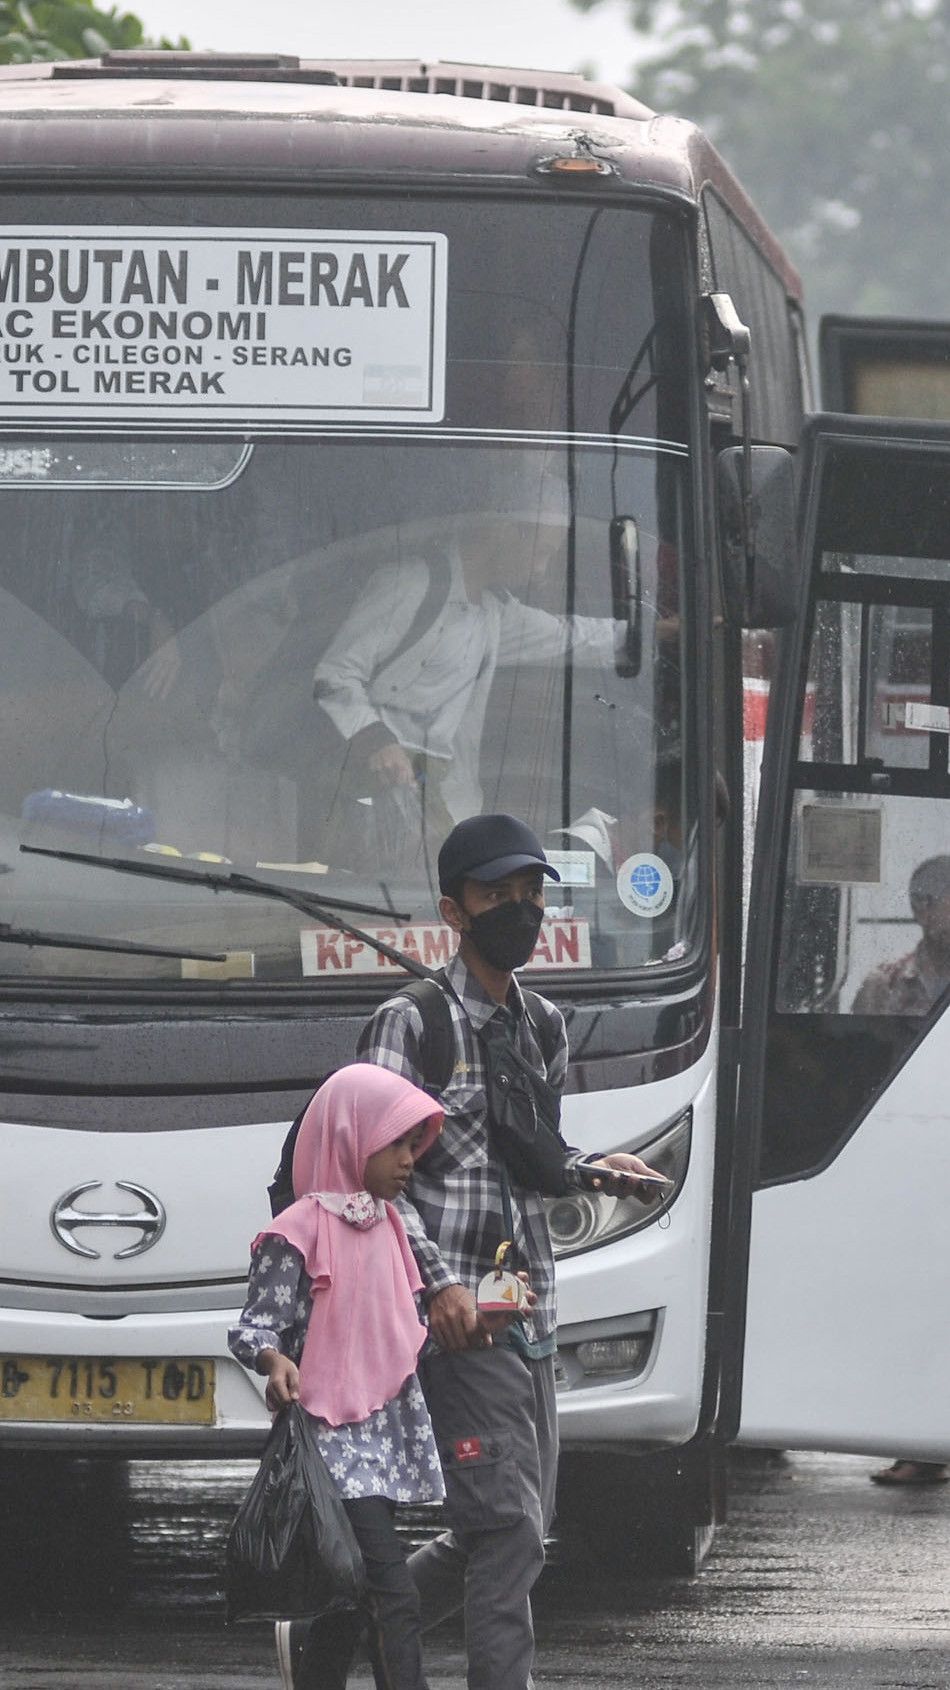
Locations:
column 496, row 1427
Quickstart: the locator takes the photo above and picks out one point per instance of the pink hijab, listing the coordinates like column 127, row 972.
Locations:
column 364, row 1332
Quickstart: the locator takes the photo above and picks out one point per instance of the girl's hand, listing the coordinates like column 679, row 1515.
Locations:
column 283, row 1379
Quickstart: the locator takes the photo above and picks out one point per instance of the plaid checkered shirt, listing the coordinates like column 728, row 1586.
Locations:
column 453, row 1206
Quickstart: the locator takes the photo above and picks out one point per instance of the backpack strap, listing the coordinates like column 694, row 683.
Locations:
column 541, row 1026
column 437, row 1051
column 433, row 602
column 438, row 1033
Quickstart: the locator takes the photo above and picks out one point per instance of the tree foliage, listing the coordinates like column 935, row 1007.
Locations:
column 67, row 29
column 835, row 115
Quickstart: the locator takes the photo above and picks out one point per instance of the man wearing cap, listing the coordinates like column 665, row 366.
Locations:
column 406, row 679
column 490, row 1395
column 911, row 986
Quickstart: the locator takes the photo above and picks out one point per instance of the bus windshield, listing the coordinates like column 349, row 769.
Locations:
column 310, row 652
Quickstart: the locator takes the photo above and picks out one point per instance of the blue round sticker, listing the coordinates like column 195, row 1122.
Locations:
column 645, row 884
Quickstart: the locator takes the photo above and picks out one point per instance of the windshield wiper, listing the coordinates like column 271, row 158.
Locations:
column 78, row 942
column 235, row 880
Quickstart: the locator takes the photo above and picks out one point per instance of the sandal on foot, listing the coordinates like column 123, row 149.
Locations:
column 912, row 1473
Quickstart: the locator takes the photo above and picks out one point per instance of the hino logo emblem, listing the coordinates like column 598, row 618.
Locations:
column 65, row 1218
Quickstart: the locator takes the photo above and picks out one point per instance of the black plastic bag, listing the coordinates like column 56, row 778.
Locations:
column 291, row 1552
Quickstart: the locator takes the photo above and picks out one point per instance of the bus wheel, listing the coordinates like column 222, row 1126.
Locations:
column 652, row 1515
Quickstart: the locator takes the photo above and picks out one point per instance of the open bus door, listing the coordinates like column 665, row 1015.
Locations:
column 846, row 1031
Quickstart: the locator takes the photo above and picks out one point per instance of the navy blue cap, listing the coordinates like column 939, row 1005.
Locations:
column 489, row 847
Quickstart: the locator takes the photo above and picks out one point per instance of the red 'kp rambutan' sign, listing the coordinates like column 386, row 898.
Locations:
column 562, row 943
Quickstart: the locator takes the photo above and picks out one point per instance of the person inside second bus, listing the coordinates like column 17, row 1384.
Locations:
column 406, row 679
column 911, row 986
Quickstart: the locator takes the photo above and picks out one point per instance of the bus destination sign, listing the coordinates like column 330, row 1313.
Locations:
column 562, row 943
column 238, row 329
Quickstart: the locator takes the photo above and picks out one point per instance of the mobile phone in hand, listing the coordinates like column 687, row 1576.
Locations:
column 602, row 1172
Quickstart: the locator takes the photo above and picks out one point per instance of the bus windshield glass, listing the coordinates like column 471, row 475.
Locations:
column 307, row 650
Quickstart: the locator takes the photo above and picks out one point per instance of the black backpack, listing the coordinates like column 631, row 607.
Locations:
column 438, row 1059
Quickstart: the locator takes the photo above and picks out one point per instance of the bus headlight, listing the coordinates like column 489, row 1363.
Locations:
column 585, row 1219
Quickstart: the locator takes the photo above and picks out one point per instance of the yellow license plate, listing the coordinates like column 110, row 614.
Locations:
column 154, row 1391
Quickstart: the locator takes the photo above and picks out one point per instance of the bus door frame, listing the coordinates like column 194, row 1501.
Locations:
column 886, row 441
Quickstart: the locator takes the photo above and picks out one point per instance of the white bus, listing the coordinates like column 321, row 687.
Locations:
column 290, row 353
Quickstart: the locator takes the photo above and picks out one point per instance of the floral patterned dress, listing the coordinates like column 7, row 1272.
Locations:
column 392, row 1453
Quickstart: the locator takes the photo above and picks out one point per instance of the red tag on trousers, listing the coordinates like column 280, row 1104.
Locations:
column 468, row 1449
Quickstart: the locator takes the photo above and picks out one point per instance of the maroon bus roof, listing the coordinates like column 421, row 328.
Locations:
column 275, row 120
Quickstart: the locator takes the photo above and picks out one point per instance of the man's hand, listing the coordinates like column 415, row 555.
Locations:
column 283, row 1379
column 455, row 1322
column 393, row 765
column 622, row 1180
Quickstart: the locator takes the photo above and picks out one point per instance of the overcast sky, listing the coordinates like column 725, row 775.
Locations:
column 546, row 34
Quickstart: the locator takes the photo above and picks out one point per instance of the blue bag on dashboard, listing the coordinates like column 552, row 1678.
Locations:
column 117, row 820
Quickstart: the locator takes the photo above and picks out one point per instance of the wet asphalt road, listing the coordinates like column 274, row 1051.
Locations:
column 110, row 1579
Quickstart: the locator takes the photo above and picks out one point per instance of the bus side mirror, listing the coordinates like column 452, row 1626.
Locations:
column 758, row 545
column 625, row 592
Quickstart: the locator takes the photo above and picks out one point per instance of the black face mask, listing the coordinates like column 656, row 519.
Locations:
column 507, row 935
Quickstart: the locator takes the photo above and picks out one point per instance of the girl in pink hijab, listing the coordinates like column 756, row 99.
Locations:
column 331, row 1317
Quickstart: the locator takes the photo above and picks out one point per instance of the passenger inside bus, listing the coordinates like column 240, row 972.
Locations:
column 406, row 680
column 912, row 984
